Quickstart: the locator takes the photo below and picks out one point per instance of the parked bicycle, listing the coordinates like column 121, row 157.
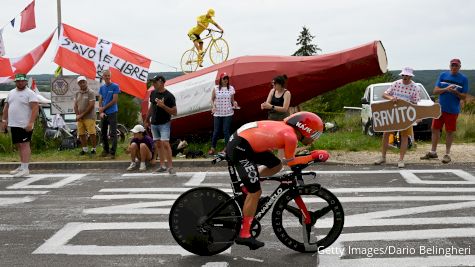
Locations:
column 306, row 217
column 218, row 52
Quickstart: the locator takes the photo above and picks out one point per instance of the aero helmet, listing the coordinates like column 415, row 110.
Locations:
column 307, row 123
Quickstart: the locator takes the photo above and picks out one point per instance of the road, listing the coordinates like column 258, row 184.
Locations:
column 423, row 216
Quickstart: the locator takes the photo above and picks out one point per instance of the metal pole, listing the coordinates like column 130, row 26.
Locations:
column 58, row 6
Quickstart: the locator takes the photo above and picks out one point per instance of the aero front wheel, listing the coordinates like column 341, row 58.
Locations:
column 218, row 51
column 189, row 61
column 326, row 213
column 195, row 230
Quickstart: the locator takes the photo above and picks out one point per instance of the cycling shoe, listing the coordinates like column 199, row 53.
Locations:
column 251, row 242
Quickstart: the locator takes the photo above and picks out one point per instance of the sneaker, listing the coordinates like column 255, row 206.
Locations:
column 161, row 170
column 380, row 161
column 82, row 153
column 430, row 155
column 172, row 171
column 133, row 166
column 400, row 164
column 211, row 151
column 251, row 242
column 15, row 171
column 446, row 159
column 143, row 167
column 22, row 173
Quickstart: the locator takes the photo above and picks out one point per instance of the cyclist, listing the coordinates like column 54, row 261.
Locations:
column 202, row 23
column 253, row 144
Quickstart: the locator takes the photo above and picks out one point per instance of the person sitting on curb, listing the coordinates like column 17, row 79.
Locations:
column 141, row 148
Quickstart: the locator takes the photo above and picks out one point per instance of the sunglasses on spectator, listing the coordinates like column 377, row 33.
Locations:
column 454, row 65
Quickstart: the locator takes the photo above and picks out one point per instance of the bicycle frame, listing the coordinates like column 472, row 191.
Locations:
column 208, row 36
column 287, row 181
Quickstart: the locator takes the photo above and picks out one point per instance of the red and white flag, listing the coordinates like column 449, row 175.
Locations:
column 28, row 18
column 11, row 66
column 88, row 55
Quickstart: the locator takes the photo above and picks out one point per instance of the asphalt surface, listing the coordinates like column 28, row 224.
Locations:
column 103, row 216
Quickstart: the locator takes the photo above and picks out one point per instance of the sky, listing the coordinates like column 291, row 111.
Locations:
column 422, row 34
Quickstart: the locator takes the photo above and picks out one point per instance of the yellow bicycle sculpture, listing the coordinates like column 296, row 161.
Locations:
column 218, row 52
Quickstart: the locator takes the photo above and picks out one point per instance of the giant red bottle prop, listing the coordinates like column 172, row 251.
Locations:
column 251, row 76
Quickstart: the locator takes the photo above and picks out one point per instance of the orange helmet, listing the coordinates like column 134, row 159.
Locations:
column 307, row 123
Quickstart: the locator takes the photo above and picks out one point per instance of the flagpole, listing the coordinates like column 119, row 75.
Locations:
column 58, row 6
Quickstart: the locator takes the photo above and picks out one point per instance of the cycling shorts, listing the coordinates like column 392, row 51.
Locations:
column 246, row 160
column 195, row 37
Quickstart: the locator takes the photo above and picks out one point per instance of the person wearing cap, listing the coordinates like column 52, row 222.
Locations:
column 84, row 102
column 202, row 23
column 19, row 113
column 404, row 89
column 108, row 108
column 278, row 101
column 223, row 105
column 452, row 87
column 140, row 149
column 161, row 108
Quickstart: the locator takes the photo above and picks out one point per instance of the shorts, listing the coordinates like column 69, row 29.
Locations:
column 195, row 37
column 86, row 125
column 161, row 131
column 245, row 160
column 20, row 135
column 409, row 132
column 450, row 121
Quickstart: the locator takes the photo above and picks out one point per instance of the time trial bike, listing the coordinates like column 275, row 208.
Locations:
column 306, row 217
column 218, row 52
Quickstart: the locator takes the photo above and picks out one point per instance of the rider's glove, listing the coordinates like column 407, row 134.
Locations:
column 320, row 155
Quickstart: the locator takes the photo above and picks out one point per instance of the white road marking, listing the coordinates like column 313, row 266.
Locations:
column 137, row 196
column 134, row 208
column 58, row 243
column 466, row 260
column 23, row 192
column 152, row 190
column 5, row 201
column 27, row 184
column 196, row 179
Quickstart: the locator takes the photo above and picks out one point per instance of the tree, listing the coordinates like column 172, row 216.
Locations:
column 305, row 42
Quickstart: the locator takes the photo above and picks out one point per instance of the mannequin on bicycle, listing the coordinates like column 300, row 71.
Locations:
column 202, row 23
column 252, row 144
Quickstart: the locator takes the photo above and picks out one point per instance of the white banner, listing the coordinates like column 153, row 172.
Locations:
column 63, row 91
column 193, row 95
column 2, row 44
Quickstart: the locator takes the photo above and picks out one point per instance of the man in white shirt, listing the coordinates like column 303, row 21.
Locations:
column 19, row 113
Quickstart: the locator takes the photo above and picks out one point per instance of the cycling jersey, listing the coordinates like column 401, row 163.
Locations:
column 253, row 144
column 203, row 19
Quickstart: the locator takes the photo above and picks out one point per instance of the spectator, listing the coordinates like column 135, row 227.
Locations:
column 404, row 89
column 278, row 100
column 141, row 148
column 19, row 113
column 162, row 107
column 108, row 108
column 222, row 101
column 84, row 102
column 452, row 86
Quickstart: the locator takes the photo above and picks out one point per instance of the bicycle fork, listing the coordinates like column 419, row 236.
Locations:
column 306, row 223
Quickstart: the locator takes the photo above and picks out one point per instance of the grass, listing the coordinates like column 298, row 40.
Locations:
column 348, row 137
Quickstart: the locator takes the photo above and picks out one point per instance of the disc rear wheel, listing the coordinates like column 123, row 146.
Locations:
column 195, row 231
